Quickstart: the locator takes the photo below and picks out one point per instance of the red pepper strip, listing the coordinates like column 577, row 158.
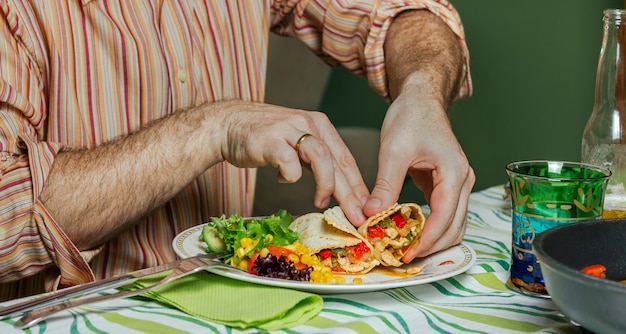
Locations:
column 400, row 222
column 358, row 250
column 251, row 263
column 326, row 253
column 596, row 270
column 375, row 232
column 337, row 269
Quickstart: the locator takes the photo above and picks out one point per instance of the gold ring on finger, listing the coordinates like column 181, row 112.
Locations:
column 300, row 140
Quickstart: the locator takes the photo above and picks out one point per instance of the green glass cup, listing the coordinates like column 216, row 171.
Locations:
column 546, row 194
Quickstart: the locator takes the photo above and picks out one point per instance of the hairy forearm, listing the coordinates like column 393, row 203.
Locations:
column 96, row 193
column 422, row 52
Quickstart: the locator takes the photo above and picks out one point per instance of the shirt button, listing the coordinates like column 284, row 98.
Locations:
column 182, row 75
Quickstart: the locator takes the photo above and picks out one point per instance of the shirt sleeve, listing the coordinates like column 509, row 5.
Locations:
column 352, row 33
column 31, row 239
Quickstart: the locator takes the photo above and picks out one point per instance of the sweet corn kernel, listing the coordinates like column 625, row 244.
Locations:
column 246, row 242
column 340, row 279
column 240, row 252
column 357, row 280
column 293, row 258
column 243, row 264
column 414, row 270
column 306, row 259
column 264, row 252
column 269, row 237
column 315, row 276
column 301, row 249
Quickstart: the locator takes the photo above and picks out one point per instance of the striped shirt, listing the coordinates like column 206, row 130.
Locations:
column 79, row 73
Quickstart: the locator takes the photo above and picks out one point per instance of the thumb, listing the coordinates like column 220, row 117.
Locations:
column 385, row 193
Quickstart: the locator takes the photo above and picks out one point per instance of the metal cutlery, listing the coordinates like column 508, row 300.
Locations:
column 67, row 300
column 81, row 290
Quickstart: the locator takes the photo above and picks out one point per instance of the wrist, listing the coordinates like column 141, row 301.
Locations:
column 433, row 63
column 212, row 132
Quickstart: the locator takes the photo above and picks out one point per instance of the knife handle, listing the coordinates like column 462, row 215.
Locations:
column 63, row 294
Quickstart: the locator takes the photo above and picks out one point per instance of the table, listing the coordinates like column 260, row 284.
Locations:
column 474, row 302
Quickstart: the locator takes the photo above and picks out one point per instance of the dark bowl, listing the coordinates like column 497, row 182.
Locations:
column 597, row 304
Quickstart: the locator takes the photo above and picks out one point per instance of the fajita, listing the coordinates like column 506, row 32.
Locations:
column 335, row 241
column 391, row 231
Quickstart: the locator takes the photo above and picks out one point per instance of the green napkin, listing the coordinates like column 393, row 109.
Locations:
column 234, row 303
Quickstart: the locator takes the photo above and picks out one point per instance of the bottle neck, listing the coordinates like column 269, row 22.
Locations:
column 611, row 75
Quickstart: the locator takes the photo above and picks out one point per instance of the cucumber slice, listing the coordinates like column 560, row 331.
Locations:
column 214, row 243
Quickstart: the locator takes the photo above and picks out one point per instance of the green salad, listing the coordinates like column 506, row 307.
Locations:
column 265, row 247
column 223, row 236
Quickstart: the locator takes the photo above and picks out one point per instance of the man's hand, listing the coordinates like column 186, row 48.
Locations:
column 424, row 62
column 267, row 135
column 85, row 189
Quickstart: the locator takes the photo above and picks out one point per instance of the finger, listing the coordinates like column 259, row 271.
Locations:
column 287, row 162
column 446, row 224
column 440, row 238
column 288, row 157
column 350, row 190
column 315, row 153
column 349, row 201
column 333, row 182
column 346, row 164
column 423, row 180
column 389, row 181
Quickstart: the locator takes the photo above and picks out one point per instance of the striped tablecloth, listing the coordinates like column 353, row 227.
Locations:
column 474, row 302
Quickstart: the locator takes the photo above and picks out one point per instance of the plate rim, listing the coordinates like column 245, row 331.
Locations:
column 469, row 260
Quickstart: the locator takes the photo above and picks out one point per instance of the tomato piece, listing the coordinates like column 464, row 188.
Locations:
column 326, row 253
column 375, row 232
column 300, row 266
column 596, row 270
column 400, row 222
column 251, row 261
column 357, row 251
column 279, row 251
column 336, row 269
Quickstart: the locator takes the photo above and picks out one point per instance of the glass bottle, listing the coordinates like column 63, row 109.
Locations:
column 604, row 138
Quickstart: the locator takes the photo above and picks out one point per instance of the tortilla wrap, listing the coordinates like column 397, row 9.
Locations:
column 391, row 246
column 332, row 230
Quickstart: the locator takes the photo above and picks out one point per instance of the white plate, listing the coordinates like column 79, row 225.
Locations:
column 442, row 265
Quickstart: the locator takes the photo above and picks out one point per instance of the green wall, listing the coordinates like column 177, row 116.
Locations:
column 533, row 66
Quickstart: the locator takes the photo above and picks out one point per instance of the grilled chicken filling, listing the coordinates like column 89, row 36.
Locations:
column 393, row 235
column 350, row 259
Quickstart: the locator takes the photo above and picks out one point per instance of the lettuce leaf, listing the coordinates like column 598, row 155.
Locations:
column 232, row 229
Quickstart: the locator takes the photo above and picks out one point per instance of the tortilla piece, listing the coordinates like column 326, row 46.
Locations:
column 390, row 247
column 337, row 219
column 331, row 230
column 316, row 234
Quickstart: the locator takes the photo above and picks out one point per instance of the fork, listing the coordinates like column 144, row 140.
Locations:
column 184, row 268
